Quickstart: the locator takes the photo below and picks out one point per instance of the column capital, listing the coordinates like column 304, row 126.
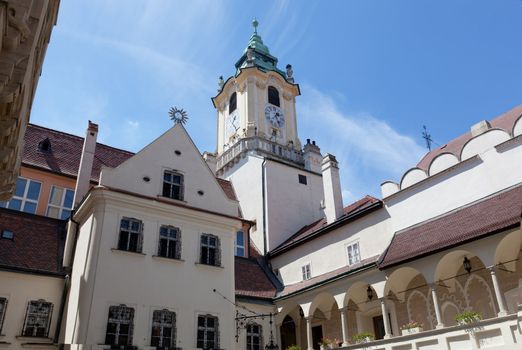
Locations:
column 492, row 268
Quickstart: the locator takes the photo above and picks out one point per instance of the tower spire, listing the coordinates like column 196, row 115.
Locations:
column 255, row 23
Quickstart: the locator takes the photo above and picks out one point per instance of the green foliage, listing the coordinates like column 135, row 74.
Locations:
column 293, row 347
column 363, row 337
column 468, row 317
column 412, row 324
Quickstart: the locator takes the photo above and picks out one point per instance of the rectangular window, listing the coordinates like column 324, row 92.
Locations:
column 170, row 242
column 120, row 325
column 163, row 329
column 210, row 250
column 173, row 185
column 302, row 179
column 254, row 337
column 60, row 203
column 130, row 235
column 240, row 243
column 307, row 273
column 353, row 253
column 3, row 307
column 25, row 197
column 208, row 332
column 37, row 319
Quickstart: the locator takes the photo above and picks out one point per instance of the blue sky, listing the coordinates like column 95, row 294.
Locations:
column 371, row 72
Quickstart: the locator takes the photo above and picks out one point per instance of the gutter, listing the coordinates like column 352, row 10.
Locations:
column 65, row 293
column 325, row 229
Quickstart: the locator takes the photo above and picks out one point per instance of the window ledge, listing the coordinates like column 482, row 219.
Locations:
column 173, row 200
column 159, row 257
column 207, row 265
column 44, row 340
column 121, row 251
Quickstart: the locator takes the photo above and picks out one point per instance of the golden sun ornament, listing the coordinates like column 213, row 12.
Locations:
column 178, row 115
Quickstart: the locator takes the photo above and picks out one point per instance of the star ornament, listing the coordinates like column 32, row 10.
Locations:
column 179, row 116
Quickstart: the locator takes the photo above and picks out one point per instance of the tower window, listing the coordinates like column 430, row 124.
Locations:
column 273, row 96
column 232, row 104
column 302, row 179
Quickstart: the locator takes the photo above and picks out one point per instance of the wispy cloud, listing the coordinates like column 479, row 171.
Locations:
column 363, row 143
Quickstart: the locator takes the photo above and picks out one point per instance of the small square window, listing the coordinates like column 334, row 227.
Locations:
column 302, row 179
column 6, row 234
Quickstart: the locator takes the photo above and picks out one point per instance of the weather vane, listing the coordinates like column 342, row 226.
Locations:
column 426, row 136
column 179, row 116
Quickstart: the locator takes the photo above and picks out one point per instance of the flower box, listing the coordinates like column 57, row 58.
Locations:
column 412, row 330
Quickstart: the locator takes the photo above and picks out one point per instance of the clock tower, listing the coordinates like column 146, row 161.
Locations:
column 277, row 181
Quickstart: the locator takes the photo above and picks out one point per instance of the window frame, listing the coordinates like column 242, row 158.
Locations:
column 39, row 316
column 206, row 329
column 130, row 231
column 217, row 247
column 24, row 199
column 347, row 249
column 117, row 334
column 237, row 246
column 60, row 207
column 172, row 184
column 250, row 335
column 3, row 301
column 306, row 271
column 271, row 97
column 177, row 240
column 173, row 334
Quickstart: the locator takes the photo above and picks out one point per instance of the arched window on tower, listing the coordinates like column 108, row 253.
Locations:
column 273, row 96
column 232, row 103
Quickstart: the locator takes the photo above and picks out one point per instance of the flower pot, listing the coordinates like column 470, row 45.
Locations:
column 364, row 340
column 411, row 330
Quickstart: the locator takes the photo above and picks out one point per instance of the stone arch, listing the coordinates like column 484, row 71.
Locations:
column 442, row 162
column 478, row 296
column 449, row 310
column 508, row 249
column 412, row 176
column 399, row 281
column 324, row 302
column 483, row 142
column 451, row 265
column 418, row 309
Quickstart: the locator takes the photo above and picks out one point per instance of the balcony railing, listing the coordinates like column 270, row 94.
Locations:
column 495, row 333
column 261, row 145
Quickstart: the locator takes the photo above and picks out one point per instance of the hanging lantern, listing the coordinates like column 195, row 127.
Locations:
column 467, row 264
column 369, row 292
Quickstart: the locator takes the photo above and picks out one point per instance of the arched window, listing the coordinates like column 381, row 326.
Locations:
column 232, row 104
column 273, row 96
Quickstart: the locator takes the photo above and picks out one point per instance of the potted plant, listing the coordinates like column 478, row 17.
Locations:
column 468, row 317
column 325, row 343
column 411, row 327
column 293, row 347
column 363, row 337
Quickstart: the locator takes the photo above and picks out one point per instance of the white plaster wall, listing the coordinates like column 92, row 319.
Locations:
column 412, row 176
column 145, row 282
column 465, row 183
column 329, row 252
column 442, row 162
column 257, row 309
column 20, row 289
column 159, row 156
column 291, row 205
column 517, row 129
column 483, row 142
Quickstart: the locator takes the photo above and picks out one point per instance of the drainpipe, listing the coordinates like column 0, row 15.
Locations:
column 263, row 171
column 65, row 292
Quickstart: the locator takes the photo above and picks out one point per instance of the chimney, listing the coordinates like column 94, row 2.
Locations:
column 83, row 180
column 333, row 199
column 312, row 156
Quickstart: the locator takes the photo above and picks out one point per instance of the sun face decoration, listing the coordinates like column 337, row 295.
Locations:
column 178, row 115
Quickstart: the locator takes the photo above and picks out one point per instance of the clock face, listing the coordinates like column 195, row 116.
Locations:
column 232, row 124
column 275, row 116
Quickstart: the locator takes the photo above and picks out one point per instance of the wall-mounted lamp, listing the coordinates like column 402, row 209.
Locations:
column 369, row 292
column 467, row 264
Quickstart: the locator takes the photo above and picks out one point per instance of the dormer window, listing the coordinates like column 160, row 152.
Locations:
column 273, row 96
column 173, row 185
column 232, row 103
column 45, row 145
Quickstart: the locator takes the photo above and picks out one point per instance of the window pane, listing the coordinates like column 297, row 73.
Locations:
column 3, row 204
column 53, row 212
column 34, row 190
column 20, row 187
column 240, row 251
column 65, row 214
column 124, row 224
column 30, row 207
column 56, row 196
column 239, row 238
column 15, row 204
column 69, row 195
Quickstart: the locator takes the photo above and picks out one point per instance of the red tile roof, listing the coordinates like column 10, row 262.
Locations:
column 505, row 122
column 486, row 216
column 66, row 152
column 251, row 280
column 309, row 230
column 37, row 246
column 335, row 274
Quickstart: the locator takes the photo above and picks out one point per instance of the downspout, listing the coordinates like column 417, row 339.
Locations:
column 65, row 292
column 263, row 189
